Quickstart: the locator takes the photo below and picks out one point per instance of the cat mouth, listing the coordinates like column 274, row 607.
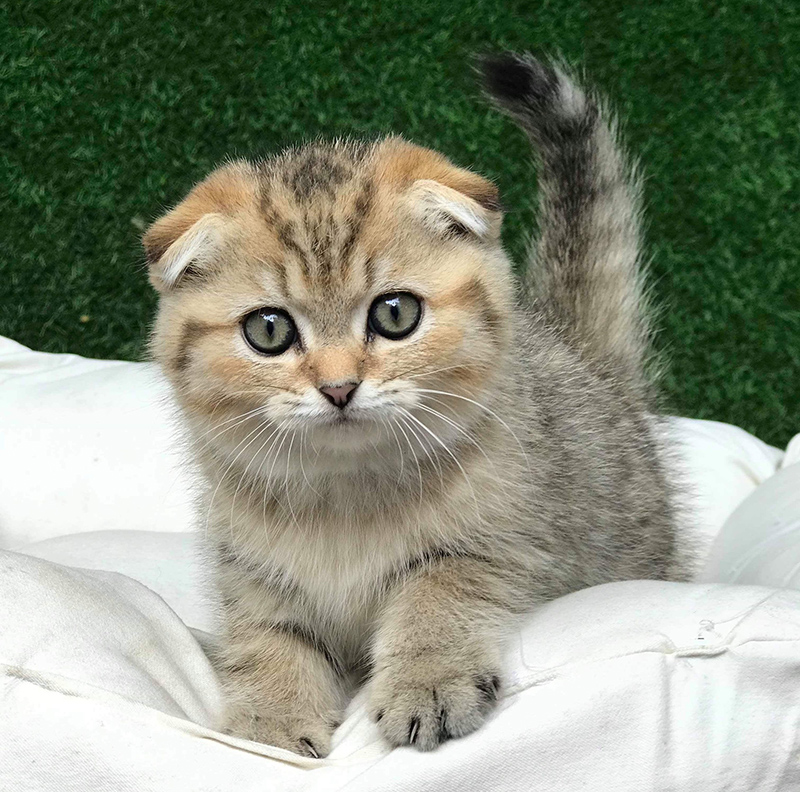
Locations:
column 350, row 418
column 341, row 418
column 347, row 418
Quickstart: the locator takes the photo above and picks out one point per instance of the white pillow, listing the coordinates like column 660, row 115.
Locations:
column 169, row 564
column 86, row 445
column 721, row 466
column 625, row 687
column 760, row 542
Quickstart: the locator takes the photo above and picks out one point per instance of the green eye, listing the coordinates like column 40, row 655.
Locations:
column 395, row 315
column 269, row 330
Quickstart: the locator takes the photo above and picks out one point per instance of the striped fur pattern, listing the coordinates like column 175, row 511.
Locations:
column 495, row 458
column 584, row 274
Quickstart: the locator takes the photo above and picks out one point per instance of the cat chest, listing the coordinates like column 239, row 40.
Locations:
column 340, row 572
column 333, row 566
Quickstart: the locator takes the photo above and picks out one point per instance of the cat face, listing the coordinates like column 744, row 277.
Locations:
column 342, row 296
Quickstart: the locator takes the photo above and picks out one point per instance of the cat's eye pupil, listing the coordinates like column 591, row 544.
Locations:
column 269, row 331
column 395, row 315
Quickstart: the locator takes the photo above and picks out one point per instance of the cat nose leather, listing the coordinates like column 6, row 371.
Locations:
column 339, row 394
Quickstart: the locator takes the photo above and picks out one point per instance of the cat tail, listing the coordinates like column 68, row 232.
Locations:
column 584, row 272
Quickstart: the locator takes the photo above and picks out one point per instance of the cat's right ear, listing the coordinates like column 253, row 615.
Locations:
column 184, row 244
column 180, row 248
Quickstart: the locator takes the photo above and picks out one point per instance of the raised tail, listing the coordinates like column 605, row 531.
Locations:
column 584, row 273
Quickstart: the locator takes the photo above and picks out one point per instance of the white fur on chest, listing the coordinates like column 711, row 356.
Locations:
column 340, row 540
column 341, row 565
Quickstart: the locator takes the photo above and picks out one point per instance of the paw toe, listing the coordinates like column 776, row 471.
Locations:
column 425, row 716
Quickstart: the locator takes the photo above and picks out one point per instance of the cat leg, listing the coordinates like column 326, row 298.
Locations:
column 283, row 687
column 437, row 653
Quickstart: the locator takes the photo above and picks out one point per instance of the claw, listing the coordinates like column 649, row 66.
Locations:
column 444, row 732
column 412, row 732
column 488, row 687
column 310, row 748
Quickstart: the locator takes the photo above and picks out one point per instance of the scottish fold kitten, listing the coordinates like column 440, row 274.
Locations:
column 404, row 449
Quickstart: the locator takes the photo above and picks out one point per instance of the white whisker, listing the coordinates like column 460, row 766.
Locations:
column 422, row 373
column 281, row 436
column 244, row 472
column 286, row 484
column 303, row 438
column 458, row 427
column 451, row 454
column 258, row 430
column 413, row 456
column 485, row 409
column 237, row 420
column 387, row 422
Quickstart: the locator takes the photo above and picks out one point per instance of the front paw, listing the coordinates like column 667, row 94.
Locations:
column 304, row 736
column 428, row 701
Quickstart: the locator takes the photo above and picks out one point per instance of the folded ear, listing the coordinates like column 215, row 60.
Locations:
column 184, row 244
column 448, row 212
column 451, row 201
column 175, row 259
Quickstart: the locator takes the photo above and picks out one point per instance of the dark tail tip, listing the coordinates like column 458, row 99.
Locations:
column 505, row 76
column 512, row 79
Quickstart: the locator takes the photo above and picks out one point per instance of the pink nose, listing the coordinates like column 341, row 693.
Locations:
column 339, row 394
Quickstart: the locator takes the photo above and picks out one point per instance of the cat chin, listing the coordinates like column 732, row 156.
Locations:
column 353, row 434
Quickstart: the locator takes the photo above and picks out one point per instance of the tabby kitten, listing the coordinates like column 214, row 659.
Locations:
column 402, row 454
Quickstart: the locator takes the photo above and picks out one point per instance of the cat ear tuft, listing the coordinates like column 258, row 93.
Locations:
column 449, row 212
column 447, row 198
column 176, row 256
column 186, row 241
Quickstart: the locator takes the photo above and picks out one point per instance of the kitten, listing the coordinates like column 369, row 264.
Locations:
column 403, row 455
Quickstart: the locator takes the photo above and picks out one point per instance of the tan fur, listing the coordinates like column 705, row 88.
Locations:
column 400, row 164
column 480, row 470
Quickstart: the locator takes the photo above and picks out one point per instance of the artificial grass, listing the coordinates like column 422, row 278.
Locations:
column 112, row 109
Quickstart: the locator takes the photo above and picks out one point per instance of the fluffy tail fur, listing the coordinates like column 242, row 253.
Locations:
column 584, row 272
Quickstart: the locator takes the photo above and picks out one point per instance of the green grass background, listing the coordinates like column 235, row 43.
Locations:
column 112, row 109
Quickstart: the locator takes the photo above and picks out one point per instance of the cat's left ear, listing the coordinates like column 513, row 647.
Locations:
column 451, row 201
column 450, row 212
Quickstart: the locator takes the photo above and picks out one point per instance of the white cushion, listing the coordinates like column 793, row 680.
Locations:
column 721, row 465
column 629, row 686
column 760, row 542
column 169, row 564
column 86, row 445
